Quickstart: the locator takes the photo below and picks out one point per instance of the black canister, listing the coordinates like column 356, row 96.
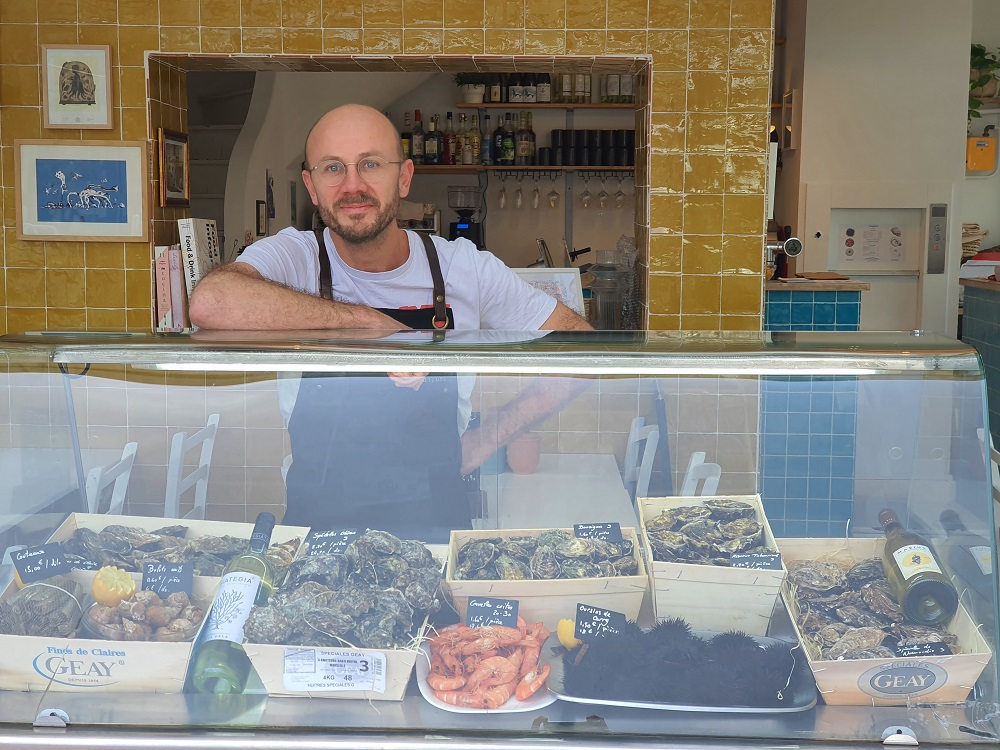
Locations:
column 618, row 138
column 568, row 155
column 544, row 157
column 582, row 156
column 630, row 139
column 557, row 157
column 569, row 138
column 605, row 139
column 621, row 156
column 630, row 153
column 557, row 138
column 596, row 157
column 593, row 138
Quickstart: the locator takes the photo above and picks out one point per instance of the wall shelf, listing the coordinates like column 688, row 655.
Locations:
column 473, row 169
column 522, row 105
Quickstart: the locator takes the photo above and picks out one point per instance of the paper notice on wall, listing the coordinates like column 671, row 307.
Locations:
column 872, row 244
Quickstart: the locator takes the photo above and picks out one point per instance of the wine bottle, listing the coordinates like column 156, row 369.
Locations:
column 221, row 666
column 543, row 89
column 969, row 558
column 922, row 589
column 406, row 137
column 417, row 139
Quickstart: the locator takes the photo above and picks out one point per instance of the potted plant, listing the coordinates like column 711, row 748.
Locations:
column 982, row 77
column 473, row 86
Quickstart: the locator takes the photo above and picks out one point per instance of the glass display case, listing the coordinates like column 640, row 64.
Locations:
column 495, row 537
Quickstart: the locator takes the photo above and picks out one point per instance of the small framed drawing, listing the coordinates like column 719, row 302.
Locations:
column 175, row 187
column 261, row 218
column 71, row 190
column 76, row 86
column 561, row 283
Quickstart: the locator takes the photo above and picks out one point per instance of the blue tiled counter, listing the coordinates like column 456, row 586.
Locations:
column 981, row 329
column 813, row 306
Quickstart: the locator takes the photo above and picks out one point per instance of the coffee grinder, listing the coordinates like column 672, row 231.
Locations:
column 466, row 200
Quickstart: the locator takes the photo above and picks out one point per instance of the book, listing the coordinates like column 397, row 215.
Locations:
column 178, row 290
column 200, row 250
column 164, row 316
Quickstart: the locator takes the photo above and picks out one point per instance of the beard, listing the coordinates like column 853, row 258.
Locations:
column 361, row 230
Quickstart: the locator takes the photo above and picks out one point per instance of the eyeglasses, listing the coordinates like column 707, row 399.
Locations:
column 331, row 172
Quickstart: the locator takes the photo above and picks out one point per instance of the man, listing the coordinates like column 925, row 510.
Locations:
column 368, row 450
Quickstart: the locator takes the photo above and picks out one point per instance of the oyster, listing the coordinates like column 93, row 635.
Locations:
column 544, row 563
column 830, row 634
column 816, row 575
column 704, row 530
column 572, row 568
column 510, row 569
column 725, row 509
column 675, row 543
column 626, row 566
column 552, row 537
column 225, row 547
column 420, row 587
column 324, row 626
column 865, row 571
column 577, row 548
column 879, row 597
column 267, row 625
column 860, row 618
column 417, row 555
column 329, row 570
column 923, row 634
column 855, row 638
column 374, row 542
column 741, row 527
column 875, row 652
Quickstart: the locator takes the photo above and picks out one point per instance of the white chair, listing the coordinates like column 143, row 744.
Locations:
column 700, row 472
column 7, row 565
column 118, row 473
column 640, row 452
column 177, row 482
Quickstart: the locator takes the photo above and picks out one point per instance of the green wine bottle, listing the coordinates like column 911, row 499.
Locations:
column 922, row 589
column 221, row 666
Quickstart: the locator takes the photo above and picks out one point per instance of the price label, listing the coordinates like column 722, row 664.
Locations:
column 329, row 541
column 924, row 649
column 484, row 610
column 594, row 623
column 41, row 562
column 167, row 578
column 756, row 560
column 82, row 564
column 317, row 670
column 609, row 532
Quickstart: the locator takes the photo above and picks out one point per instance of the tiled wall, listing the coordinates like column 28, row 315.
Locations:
column 701, row 172
column 795, row 310
column 981, row 329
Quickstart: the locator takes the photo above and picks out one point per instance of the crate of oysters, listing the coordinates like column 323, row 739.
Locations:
column 92, row 540
column 110, row 630
column 862, row 648
column 548, row 571
column 713, row 561
column 347, row 620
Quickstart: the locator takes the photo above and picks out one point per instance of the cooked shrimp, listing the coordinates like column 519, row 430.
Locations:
column 531, row 682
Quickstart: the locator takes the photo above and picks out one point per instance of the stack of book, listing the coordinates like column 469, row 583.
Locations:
column 178, row 268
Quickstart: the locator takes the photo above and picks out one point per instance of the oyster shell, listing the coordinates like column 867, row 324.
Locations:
column 267, row 625
column 511, row 569
column 865, row 571
column 875, row 652
column 725, row 509
column 816, row 575
column 544, row 564
column 741, row 527
column 855, row 638
column 881, row 600
column 420, row 587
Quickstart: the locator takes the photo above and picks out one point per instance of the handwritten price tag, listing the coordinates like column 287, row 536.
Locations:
column 81, row 564
column 609, row 532
column 41, row 562
column 924, row 649
column 756, row 560
column 167, row 578
column 594, row 623
column 483, row 611
column 330, row 541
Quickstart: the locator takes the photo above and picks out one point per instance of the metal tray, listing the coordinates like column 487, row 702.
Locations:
column 802, row 684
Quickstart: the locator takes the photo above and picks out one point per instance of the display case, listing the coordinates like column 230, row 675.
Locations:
column 702, row 509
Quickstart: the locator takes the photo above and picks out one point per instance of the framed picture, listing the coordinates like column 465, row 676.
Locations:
column 175, row 163
column 561, row 283
column 73, row 190
column 261, row 218
column 76, row 86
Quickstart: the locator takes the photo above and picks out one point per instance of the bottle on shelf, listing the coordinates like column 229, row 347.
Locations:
column 579, row 87
column 530, row 88
column 498, row 141
column 532, row 149
column 406, row 137
column 588, row 93
column 417, row 139
column 495, row 89
column 522, row 157
column 969, row 559
column 475, row 142
column 614, row 88
column 433, row 143
column 504, row 87
column 509, row 142
column 465, row 136
column 627, row 89
column 448, row 142
column 602, row 88
column 515, row 89
column 923, row 591
column 566, row 89
column 543, row 88
column 487, row 140
column 221, row 666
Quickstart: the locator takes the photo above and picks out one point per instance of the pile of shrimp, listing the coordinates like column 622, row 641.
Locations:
column 483, row 667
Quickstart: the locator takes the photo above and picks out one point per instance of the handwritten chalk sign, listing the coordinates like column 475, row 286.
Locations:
column 330, row 541
column 487, row 610
column 79, row 563
column 609, row 532
column 41, row 562
column 167, row 578
column 756, row 560
column 594, row 623
column 924, row 649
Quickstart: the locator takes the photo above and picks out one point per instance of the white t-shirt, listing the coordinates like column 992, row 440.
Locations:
column 481, row 291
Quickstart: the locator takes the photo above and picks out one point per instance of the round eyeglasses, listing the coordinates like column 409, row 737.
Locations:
column 331, row 172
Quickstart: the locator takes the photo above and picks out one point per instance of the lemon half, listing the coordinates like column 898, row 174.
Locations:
column 566, row 630
column 112, row 585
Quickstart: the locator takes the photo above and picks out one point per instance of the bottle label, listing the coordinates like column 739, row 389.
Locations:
column 417, row 145
column 515, row 94
column 315, row 670
column 613, row 85
column 626, row 85
column 431, row 147
column 913, row 559
column 524, row 148
column 543, row 93
column 232, row 605
column 984, row 559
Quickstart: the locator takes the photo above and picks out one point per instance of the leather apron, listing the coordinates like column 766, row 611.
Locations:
column 369, row 454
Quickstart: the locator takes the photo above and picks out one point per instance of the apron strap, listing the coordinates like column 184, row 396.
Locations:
column 440, row 319
column 325, row 275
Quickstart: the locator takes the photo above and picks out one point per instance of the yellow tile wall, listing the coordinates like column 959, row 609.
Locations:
column 704, row 111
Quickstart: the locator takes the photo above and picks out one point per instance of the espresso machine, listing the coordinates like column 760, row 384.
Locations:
column 779, row 252
column 466, row 201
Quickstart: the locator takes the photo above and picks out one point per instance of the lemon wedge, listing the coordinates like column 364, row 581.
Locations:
column 112, row 585
column 566, row 630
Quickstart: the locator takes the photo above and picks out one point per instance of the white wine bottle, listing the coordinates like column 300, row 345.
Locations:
column 221, row 666
column 923, row 590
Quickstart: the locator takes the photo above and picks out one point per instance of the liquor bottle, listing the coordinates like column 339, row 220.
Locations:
column 627, row 89
column 587, row 88
column 522, row 158
column 498, row 142
column 432, row 143
column 566, row 89
column 509, row 142
column 969, row 559
column 924, row 592
column 486, row 143
column 463, row 146
column 602, row 88
column 417, row 139
column 579, row 87
column 614, row 88
column 530, row 88
column 475, row 140
column 448, row 142
column 406, row 137
column 496, row 89
column 543, row 88
column 533, row 150
column 221, row 666
column 515, row 89
column 504, row 87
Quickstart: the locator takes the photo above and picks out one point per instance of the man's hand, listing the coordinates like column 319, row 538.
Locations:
column 476, row 448
column 407, row 379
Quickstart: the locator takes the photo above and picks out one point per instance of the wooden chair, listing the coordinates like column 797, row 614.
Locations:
column 700, row 472
column 101, row 477
column 640, row 453
column 177, row 482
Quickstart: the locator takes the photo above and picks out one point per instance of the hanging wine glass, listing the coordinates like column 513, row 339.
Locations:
column 619, row 195
column 553, row 195
column 604, row 195
column 518, row 194
column 585, row 196
column 535, row 197
column 502, row 197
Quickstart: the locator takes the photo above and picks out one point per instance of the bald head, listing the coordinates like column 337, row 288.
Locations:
column 364, row 128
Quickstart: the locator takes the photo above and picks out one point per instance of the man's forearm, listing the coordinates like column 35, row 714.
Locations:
column 231, row 299
column 543, row 397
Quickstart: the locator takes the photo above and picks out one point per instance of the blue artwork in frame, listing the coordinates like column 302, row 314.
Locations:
column 81, row 190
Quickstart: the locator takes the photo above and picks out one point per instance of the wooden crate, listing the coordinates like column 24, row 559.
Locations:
column 549, row 601
column 711, row 597
column 887, row 682
column 38, row 663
